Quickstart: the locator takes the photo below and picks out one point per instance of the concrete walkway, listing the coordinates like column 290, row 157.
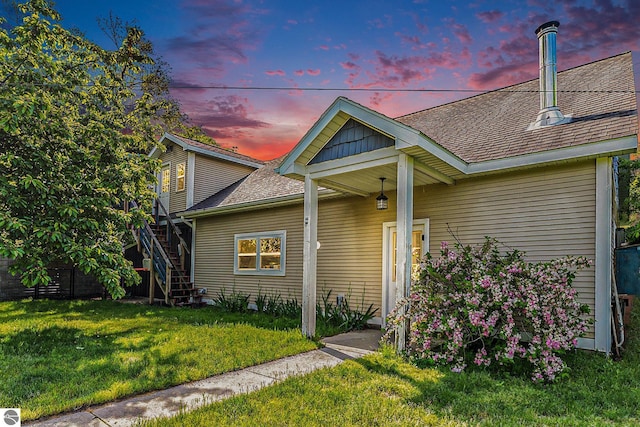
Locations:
column 193, row 395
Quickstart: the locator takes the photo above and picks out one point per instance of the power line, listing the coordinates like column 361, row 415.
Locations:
column 335, row 89
column 308, row 89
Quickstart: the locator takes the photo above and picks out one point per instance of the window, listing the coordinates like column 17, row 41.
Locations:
column 260, row 253
column 416, row 251
column 180, row 177
column 166, row 180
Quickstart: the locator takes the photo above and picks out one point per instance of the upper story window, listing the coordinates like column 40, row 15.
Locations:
column 260, row 253
column 165, row 180
column 180, row 180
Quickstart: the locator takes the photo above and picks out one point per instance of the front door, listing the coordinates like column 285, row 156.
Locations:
column 164, row 186
column 419, row 247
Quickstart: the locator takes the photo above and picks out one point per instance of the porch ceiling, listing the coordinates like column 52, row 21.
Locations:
column 367, row 181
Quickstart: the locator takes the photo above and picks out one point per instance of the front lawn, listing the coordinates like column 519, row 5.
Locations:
column 57, row 356
column 384, row 390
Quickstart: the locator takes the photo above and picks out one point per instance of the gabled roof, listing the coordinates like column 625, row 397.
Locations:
column 208, row 150
column 489, row 132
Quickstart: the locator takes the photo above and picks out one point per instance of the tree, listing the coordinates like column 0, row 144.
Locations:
column 76, row 122
column 158, row 78
column 629, row 181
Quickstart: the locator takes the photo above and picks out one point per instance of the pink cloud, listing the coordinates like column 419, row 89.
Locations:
column 275, row 73
column 589, row 33
column 413, row 41
column 421, row 26
column 349, row 65
column 462, row 33
column 313, row 72
column 299, row 73
column 323, row 47
column 450, row 60
column 392, row 71
column 223, row 114
column 505, row 75
column 490, row 16
column 378, row 98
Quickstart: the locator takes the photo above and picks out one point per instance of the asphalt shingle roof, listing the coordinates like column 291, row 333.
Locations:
column 262, row 184
column 600, row 97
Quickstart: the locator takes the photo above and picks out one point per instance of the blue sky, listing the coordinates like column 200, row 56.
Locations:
column 350, row 44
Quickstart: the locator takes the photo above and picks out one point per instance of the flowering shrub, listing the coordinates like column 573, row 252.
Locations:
column 474, row 305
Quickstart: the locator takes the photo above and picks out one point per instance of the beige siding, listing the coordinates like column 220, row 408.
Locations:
column 214, row 252
column 177, row 199
column 546, row 212
column 213, row 175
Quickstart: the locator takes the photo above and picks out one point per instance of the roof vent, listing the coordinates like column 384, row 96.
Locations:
column 549, row 114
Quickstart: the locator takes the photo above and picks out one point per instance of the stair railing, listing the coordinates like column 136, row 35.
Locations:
column 172, row 229
column 161, row 264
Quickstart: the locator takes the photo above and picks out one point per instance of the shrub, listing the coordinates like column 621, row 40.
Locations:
column 474, row 305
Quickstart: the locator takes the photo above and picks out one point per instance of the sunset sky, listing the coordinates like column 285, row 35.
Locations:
column 341, row 45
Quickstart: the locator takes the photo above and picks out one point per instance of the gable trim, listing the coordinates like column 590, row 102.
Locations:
column 186, row 147
column 353, row 163
column 368, row 117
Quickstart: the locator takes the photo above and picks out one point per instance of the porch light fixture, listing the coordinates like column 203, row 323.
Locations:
column 382, row 201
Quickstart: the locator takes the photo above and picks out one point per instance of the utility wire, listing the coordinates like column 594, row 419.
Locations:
column 275, row 88
column 335, row 89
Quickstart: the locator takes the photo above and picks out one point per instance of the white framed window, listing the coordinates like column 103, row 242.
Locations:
column 165, row 180
column 180, row 177
column 260, row 253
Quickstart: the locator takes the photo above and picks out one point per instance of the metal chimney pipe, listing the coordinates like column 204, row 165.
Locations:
column 549, row 112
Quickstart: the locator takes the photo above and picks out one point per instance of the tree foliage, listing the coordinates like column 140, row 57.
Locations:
column 76, row 122
column 629, row 179
column 158, row 78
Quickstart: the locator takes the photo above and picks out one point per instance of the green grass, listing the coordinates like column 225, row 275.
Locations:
column 57, row 356
column 384, row 390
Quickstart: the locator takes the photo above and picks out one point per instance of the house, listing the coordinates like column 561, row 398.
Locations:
column 190, row 172
column 531, row 164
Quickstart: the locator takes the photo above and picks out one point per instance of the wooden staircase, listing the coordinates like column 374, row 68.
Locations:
column 158, row 243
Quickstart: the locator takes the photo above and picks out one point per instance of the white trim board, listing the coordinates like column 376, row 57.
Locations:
column 603, row 255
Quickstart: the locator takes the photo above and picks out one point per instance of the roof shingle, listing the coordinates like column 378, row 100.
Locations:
column 600, row 97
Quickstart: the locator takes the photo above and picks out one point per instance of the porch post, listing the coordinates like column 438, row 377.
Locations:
column 405, row 228
column 603, row 255
column 310, row 257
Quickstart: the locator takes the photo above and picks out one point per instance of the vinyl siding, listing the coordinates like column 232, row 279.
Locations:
column 215, row 252
column 177, row 199
column 212, row 175
column 546, row 212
